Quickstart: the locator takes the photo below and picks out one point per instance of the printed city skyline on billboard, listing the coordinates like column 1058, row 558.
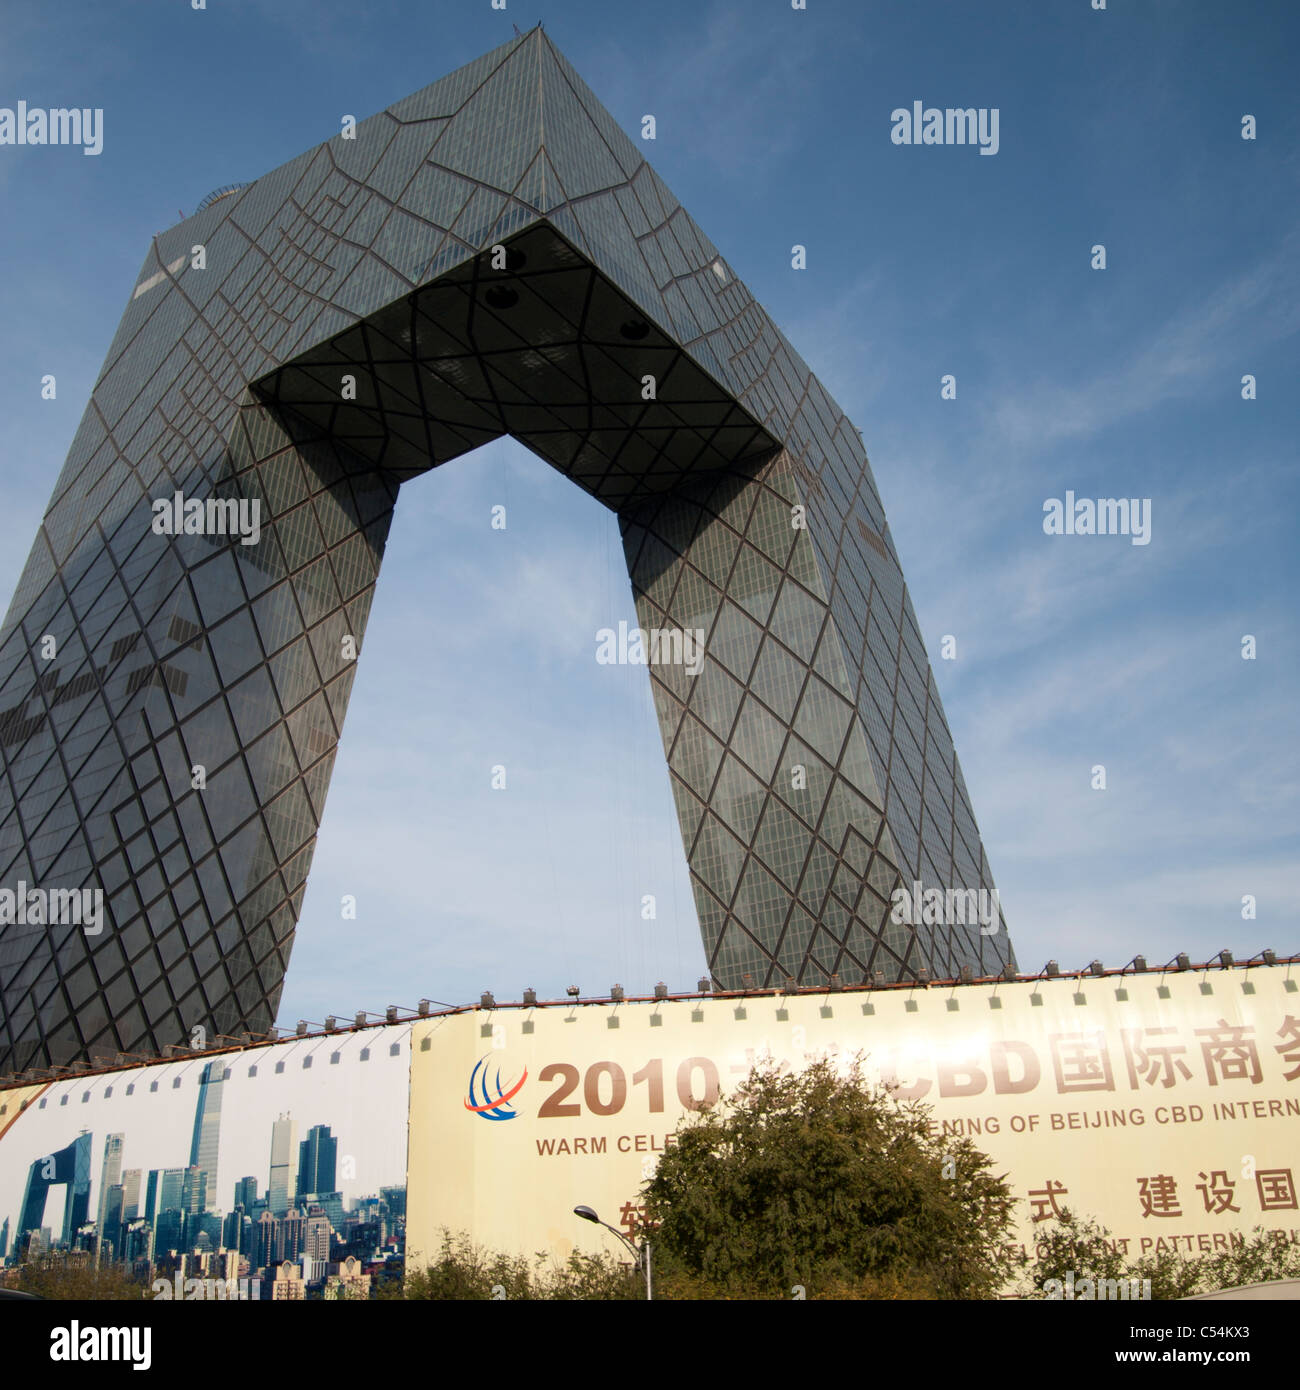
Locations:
column 265, row 1155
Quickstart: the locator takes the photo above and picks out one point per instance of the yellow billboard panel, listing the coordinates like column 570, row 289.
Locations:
column 1166, row 1105
column 15, row 1100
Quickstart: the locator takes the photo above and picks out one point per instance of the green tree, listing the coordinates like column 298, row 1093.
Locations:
column 465, row 1270
column 818, row 1181
column 1085, row 1248
column 61, row 1277
column 462, row 1270
column 1074, row 1245
column 1265, row 1257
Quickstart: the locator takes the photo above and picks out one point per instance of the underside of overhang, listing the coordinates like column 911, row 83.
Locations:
column 531, row 341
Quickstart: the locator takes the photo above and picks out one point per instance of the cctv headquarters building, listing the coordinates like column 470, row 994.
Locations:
column 490, row 256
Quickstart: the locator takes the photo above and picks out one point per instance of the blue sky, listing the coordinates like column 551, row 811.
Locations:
column 773, row 127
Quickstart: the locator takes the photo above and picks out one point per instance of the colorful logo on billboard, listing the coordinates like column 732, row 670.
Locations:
column 490, row 1098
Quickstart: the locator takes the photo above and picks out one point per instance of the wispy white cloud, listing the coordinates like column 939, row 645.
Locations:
column 725, row 94
column 1222, row 333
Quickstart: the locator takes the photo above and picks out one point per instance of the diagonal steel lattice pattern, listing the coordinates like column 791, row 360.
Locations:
column 810, row 760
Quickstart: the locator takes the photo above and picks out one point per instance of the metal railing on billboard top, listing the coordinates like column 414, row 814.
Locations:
column 363, row 1020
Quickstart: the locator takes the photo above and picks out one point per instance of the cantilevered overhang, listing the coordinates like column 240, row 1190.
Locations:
column 532, row 341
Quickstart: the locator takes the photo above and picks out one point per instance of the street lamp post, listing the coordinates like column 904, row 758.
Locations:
column 641, row 1256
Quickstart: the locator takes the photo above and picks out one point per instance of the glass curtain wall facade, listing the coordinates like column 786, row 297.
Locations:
column 489, row 256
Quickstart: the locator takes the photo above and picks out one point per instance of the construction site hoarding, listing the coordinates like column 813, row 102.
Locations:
column 1165, row 1105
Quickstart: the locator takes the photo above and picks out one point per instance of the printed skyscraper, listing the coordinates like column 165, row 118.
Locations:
column 490, row 256
column 282, row 1182
column 205, row 1142
column 317, row 1161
